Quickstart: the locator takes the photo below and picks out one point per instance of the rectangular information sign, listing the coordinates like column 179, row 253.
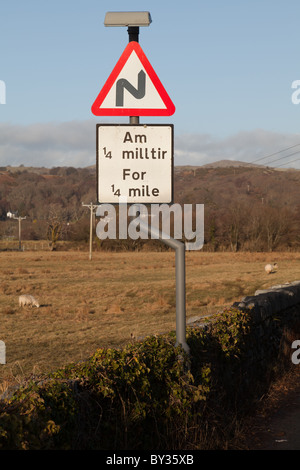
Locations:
column 136, row 162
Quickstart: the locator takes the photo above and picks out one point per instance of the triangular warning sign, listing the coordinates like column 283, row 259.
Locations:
column 133, row 88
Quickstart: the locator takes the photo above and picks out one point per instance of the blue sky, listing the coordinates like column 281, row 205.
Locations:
column 228, row 66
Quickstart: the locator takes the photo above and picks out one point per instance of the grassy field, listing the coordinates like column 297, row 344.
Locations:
column 112, row 298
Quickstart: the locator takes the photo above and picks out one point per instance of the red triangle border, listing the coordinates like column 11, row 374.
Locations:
column 133, row 46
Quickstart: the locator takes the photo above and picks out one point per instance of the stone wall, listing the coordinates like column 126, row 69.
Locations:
column 275, row 314
column 272, row 301
column 262, row 354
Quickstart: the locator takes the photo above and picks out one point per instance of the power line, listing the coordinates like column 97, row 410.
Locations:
column 297, row 159
column 275, row 153
column 286, row 156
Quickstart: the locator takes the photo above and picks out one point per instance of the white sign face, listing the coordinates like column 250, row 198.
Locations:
column 135, row 163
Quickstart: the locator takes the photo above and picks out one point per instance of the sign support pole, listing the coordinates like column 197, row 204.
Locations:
column 179, row 248
column 133, row 33
column 180, row 291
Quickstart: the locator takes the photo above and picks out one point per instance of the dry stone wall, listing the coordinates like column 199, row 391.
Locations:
column 275, row 314
column 272, row 301
column 266, row 350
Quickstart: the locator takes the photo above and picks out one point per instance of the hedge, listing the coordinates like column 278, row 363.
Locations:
column 148, row 395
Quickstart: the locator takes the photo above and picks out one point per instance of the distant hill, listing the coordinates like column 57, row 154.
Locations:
column 217, row 164
column 233, row 164
column 226, row 182
column 230, row 163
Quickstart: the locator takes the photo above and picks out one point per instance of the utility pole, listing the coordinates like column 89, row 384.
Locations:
column 19, row 218
column 92, row 207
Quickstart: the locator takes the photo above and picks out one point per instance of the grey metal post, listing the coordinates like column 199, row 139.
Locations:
column 180, row 289
column 133, row 34
column 180, row 294
column 179, row 248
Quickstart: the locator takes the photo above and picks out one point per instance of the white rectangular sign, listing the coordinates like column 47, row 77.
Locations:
column 135, row 162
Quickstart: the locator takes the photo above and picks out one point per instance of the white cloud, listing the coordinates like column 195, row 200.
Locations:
column 250, row 147
column 48, row 144
column 74, row 144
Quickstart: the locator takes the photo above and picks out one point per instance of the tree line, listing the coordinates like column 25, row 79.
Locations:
column 244, row 209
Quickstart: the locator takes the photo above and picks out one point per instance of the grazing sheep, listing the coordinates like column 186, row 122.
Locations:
column 271, row 268
column 28, row 300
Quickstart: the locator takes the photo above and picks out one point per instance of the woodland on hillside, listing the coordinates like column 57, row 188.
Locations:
column 246, row 208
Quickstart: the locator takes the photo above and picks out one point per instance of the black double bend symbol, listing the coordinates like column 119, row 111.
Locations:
column 138, row 92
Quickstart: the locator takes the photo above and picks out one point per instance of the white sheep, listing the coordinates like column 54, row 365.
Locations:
column 271, row 268
column 28, row 300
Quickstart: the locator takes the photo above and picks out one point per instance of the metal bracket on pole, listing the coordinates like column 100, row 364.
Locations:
column 133, row 33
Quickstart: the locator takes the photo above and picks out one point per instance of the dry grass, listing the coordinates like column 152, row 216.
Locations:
column 112, row 298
